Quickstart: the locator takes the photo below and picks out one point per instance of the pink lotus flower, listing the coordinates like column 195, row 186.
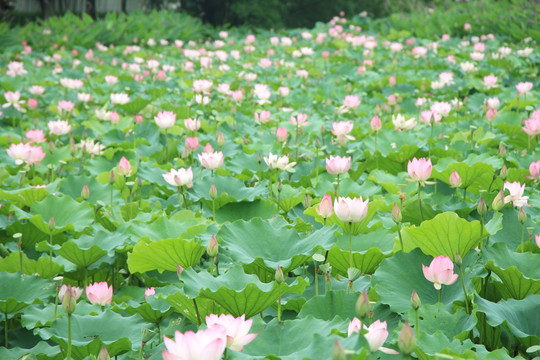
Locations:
column 36, row 90
column 237, row 329
column 263, row 117
column 534, row 169
column 281, row 134
column 192, row 143
column 426, row 116
column 419, row 169
column 325, row 209
column 493, row 103
column 12, row 99
column 351, row 101
column 341, row 129
column 211, row 160
column 165, row 119
column 148, row 292
column 351, row 210
column 440, row 272
column 74, row 291
column 124, row 167
column 375, row 123
column 35, row 155
column 524, row 87
column 206, row 344
column 65, row 106
column 299, row 120
column 376, row 334
column 516, row 194
column 192, row 124
column 537, row 239
column 532, row 126
column 455, row 179
column 490, row 114
column 99, row 293
column 35, row 136
column 337, row 165
column 19, row 152
column 179, row 177
column 440, row 110
column 490, row 81
column 32, row 103
column 59, row 127
column 283, row 91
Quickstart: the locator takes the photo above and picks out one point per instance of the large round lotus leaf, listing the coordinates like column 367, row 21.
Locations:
column 18, row 291
column 68, row 214
column 237, row 292
column 519, row 273
column 43, row 266
column 41, row 351
column 89, row 333
column 270, row 243
column 446, row 234
column 398, row 276
column 332, row 304
column 520, row 316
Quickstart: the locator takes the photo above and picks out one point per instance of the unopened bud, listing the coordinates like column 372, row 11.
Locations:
column 455, row 179
column 213, row 247
column 338, row 353
column 415, row 300
column 362, row 305
column 406, row 340
column 481, row 208
column 307, row 202
column 522, row 215
column 259, row 159
column 498, row 201
column 280, row 278
column 220, row 139
column 213, row 191
column 280, row 186
column 179, row 270
column 396, row 214
column 458, row 260
column 111, row 177
column 51, row 146
column 504, row 172
column 502, row 150
column 51, row 224
column 103, row 354
column 85, row 193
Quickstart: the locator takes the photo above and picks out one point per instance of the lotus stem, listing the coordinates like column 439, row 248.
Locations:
column 279, row 304
column 68, row 356
column 350, row 245
column 6, row 329
column 197, row 312
column 522, row 235
column 400, row 238
column 464, row 289
column 316, row 281
column 440, row 295
column 417, row 327
column 420, row 202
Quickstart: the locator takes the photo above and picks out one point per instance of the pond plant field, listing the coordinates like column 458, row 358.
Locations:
column 325, row 193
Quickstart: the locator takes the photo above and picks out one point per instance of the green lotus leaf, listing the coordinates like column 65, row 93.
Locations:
column 90, row 333
column 438, row 342
column 397, row 277
column 229, row 190
column 445, row 234
column 152, row 311
column 164, row 255
column 41, row 351
column 264, row 209
column 18, row 291
column 521, row 317
column 473, row 177
column 518, row 273
column 332, row 304
column 42, row 266
column 73, row 184
column 275, row 244
column 238, row 293
column 24, row 197
column 68, row 214
column 189, row 307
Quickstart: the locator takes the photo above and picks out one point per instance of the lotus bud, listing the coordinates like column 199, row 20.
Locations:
column 179, row 270
column 51, row 224
column 338, row 353
column 415, row 300
column 306, row 201
column 103, row 354
column 213, row 191
column 376, row 123
column 259, row 159
column 481, row 208
column 362, row 305
column 280, row 278
column 213, row 247
column 325, row 208
column 455, row 179
column 504, row 172
column 502, row 150
column 406, row 340
column 498, row 201
column 85, row 193
column 522, row 215
column 280, row 186
column 111, row 177
column 396, row 214
column 220, row 139
column 458, row 260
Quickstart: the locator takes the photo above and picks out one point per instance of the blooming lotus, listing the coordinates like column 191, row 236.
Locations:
column 351, row 210
column 534, row 170
column 299, row 120
column 211, row 160
column 237, row 329
column 276, row 162
column 337, row 165
column 59, row 127
column 341, row 130
column 119, row 99
column 419, row 169
column 516, row 194
column 179, row 177
column 124, row 167
column 99, row 293
column 165, row 119
column 206, row 344
column 400, row 123
column 325, row 207
column 192, row 124
column 36, row 136
column 490, row 81
column 376, row 334
column 524, row 87
column 440, row 272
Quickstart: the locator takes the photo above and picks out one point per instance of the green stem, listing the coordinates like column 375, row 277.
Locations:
column 141, row 350
column 166, row 146
column 6, row 329
column 417, row 328
column 350, row 245
column 337, row 187
column 400, row 238
column 316, row 281
column 522, row 235
column 211, row 269
column 279, row 304
column 55, row 303
column 197, row 312
column 68, row 356
column 112, row 186
column 431, row 139
column 214, row 209
column 464, row 289
column 420, row 203
column 440, row 295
